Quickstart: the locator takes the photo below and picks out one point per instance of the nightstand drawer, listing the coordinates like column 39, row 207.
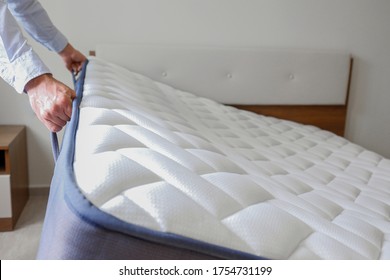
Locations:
column 5, row 196
column 13, row 175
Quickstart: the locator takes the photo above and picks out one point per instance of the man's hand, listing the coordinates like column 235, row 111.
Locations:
column 51, row 101
column 72, row 58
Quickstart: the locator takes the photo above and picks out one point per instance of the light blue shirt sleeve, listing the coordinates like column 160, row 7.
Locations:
column 35, row 20
column 18, row 62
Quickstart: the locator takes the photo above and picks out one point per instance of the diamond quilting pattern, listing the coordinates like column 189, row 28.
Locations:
column 164, row 159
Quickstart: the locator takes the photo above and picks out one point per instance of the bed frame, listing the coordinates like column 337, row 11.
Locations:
column 310, row 87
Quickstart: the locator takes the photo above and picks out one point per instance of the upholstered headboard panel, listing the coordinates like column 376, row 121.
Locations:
column 239, row 75
column 309, row 87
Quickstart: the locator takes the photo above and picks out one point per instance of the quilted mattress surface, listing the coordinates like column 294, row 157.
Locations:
column 159, row 158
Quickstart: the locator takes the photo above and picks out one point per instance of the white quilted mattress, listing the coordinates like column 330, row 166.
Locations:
column 169, row 161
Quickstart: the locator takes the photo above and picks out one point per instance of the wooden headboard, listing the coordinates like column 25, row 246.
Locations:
column 309, row 87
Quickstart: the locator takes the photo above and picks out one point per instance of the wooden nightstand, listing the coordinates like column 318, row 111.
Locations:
column 13, row 175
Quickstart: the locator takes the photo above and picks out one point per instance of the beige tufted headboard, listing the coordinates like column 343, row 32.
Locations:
column 301, row 85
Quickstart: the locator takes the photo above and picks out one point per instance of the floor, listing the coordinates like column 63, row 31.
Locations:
column 22, row 243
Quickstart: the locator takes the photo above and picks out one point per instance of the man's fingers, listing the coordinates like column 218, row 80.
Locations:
column 73, row 58
column 72, row 94
column 67, row 112
column 53, row 127
column 52, row 123
column 55, row 116
column 63, row 103
column 76, row 67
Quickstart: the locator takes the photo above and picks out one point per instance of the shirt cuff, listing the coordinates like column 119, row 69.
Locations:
column 58, row 43
column 27, row 67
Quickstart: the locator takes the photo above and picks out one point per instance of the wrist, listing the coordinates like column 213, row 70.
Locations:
column 66, row 51
column 34, row 82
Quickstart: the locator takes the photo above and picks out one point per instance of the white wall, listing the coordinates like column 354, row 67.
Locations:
column 357, row 26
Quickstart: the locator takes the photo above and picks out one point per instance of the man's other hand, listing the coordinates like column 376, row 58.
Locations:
column 72, row 58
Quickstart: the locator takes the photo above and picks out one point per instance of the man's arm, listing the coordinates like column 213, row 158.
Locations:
column 35, row 20
column 18, row 62
column 50, row 99
column 21, row 67
column 37, row 23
